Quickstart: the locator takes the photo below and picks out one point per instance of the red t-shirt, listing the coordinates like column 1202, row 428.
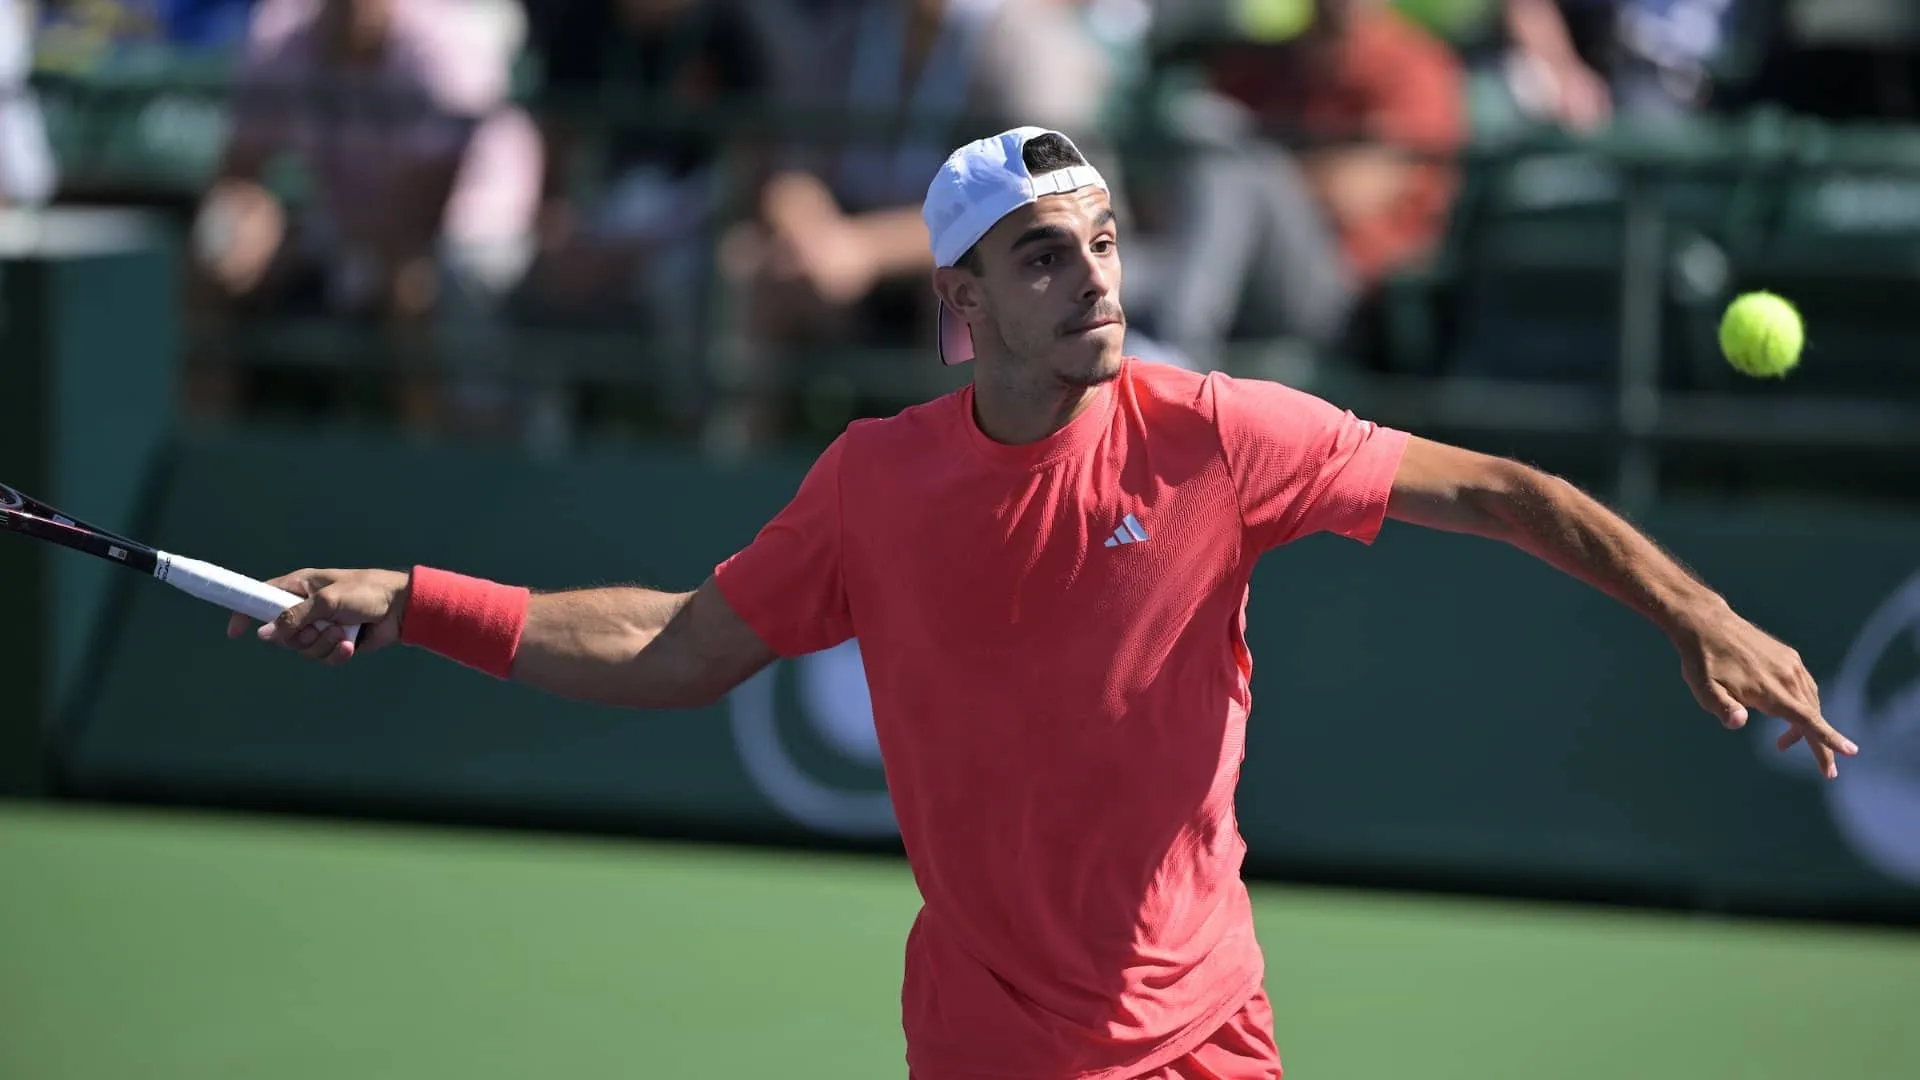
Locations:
column 1053, row 640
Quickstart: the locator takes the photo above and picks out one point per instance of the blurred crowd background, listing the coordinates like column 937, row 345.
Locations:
column 698, row 219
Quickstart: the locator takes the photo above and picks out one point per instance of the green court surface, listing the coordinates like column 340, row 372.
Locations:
column 169, row 946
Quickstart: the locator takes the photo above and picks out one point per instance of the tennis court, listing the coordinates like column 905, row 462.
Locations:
column 168, row 945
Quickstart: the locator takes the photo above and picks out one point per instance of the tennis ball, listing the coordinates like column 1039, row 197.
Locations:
column 1761, row 335
column 1271, row 21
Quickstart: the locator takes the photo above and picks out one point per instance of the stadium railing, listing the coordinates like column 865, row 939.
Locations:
column 1571, row 304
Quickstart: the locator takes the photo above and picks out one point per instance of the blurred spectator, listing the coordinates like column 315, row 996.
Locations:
column 90, row 35
column 1123, row 29
column 1273, row 240
column 1858, row 60
column 1579, row 63
column 636, row 236
column 28, row 175
column 837, row 252
column 209, row 24
column 423, row 179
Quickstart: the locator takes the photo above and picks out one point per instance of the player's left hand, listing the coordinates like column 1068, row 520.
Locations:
column 1733, row 666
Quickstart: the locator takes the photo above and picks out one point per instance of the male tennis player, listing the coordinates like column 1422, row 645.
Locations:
column 1047, row 573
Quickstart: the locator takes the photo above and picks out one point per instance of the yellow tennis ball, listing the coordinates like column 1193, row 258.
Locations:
column 1273, row 20
column 1761, row 334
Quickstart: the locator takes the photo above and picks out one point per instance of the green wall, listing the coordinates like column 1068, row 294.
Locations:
column 1433, row 708
column 90, row 346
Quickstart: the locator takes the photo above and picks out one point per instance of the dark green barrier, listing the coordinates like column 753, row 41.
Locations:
column 1432, row 708
column 87, row 329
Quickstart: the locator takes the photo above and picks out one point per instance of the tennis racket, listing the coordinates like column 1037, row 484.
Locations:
column 216, row 585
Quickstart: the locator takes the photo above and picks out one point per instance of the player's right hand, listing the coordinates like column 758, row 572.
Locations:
column 373, row 600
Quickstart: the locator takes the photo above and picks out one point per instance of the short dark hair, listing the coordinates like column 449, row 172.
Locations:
column 1041, row 154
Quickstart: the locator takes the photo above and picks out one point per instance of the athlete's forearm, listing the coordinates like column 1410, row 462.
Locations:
column 1572, row 531
column 627, row 646
column 607, row 646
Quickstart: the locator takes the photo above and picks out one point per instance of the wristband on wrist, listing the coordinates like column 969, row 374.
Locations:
column 469, row 620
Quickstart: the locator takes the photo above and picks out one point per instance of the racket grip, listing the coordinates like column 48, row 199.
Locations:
column 225, row 588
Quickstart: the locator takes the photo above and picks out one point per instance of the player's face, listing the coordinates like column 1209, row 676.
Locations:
column 1049, row 287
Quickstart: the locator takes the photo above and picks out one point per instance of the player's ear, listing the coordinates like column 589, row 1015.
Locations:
column 958, row 288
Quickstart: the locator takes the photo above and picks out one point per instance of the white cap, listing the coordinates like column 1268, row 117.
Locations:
column 979, row 184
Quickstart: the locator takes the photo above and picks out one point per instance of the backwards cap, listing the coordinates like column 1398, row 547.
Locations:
column 979, row 184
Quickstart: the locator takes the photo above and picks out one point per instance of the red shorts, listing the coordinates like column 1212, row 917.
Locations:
column 1240, row 1049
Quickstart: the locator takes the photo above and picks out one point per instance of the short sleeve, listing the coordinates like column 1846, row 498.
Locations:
column 1301, row 465
column 788, row 584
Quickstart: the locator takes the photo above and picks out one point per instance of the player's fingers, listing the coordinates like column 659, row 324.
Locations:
column 294, row 619
column 1721, row 705
column 1808, row 686
column 1788, row 738
column 1804, row 713
column 341, row 653
column 1821, row 739
column 1805, row 690
column 1821, row 733
column 1838, row 742
column 303, row 582
column 299, row 583
column 319, row 645
column 1823, row 756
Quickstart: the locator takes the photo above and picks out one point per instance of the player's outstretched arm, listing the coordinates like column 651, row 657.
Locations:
column 622, row 646
column 1730, row 664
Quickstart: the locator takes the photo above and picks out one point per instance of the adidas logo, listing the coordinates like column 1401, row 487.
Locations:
column 1129, row 532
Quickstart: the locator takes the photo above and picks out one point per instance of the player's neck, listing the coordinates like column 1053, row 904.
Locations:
column 1015, row 407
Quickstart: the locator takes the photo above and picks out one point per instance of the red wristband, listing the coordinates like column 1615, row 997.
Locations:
column 468, row 620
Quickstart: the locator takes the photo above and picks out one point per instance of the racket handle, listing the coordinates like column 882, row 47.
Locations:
column 235, row 592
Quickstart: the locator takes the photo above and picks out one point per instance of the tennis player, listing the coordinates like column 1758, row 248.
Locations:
column 1047, row 573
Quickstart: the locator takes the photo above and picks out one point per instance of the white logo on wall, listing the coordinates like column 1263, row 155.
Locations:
column 1875, row 700
column 836, row 709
